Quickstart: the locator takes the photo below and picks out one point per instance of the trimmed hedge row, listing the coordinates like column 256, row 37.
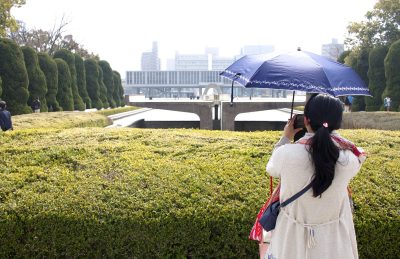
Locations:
column 376, row 191
column 59, row 120
column 66, row 120
column 165, row 193
column 371, row 120
column 108, row 112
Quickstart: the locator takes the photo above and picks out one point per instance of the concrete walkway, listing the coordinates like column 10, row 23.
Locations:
column 125, row 119
column 128, row 118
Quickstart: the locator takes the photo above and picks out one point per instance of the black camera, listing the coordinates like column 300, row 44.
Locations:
column 299, row 124
column 299, row 121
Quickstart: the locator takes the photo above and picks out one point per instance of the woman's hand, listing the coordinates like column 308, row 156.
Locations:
column 289, row 131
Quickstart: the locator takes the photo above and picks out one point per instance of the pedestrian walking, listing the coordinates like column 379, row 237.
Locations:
column 36, row 105
column 387, row 102
column 5, row 117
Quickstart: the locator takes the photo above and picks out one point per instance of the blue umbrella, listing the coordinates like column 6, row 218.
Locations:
column 297, row 71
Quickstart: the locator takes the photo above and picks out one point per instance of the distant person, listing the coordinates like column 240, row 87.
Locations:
column 348, row 103
column 387, row 102
column 36, row 105
column 5, row 117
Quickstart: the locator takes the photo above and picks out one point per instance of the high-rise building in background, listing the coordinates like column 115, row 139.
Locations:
column 220, row 63
column 212, row 51
column 210, row 60
column 170, row 64
column 188, row 75
column 256, row 49
column 332, row 50
column 150, row 60
column 191, row 62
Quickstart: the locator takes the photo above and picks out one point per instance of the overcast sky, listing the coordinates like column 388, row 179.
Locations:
column 120, row 30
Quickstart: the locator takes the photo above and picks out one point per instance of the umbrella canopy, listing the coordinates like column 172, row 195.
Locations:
column 297, row 71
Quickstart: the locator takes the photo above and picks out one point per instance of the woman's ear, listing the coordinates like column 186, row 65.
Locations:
column 307, row 124
column 306, row 121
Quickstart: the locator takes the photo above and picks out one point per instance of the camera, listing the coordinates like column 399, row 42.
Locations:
column 299, row 121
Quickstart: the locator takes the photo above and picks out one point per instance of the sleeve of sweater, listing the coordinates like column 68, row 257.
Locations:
column 275, row 163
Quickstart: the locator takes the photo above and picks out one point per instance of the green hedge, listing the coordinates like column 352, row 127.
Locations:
column 50, row 70
column 69, row 58
column 92, row 84
column 108, row 112
column 14, row 77
column 108, row 80
column 392, row 75
column 371, row 120
column 37, row 80
column 377, row 193
column 64, row 92
column 165, row 193
column 59, row 120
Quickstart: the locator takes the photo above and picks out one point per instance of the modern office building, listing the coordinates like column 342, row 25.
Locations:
column 189, row 75
column 210, row 60
column 219, row 63
column 332, row 50
column 170, row 64
column 186, row 84
column 191, row 62
column 212, row 50
column 150, row 60
column 256, row 49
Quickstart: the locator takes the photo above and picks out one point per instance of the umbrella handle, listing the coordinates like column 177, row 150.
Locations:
column 236, row 76
column 271, row 186
column 233, row 81
column 291, row 111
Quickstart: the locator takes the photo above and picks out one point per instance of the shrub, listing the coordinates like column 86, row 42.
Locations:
column 81, row 81
column 342, row 57
column 119, row 89
column 108, row 80
column 69, row 58
column 392, row 72
column 14, row 77
column 102, row 88
column 92, row 83
column 108, row 112
column 64, row 93
column 362, row 69
column 49, row 68
column 116, row 89
column 376, row 193
column 371, row 120
column 59, row 120
column 377, row 80
column 37, row 81
column 165, row 193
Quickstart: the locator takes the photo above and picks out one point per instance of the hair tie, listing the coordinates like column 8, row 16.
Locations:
column 325, row 124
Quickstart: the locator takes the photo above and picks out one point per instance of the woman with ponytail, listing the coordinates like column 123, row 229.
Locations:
column 319, row 223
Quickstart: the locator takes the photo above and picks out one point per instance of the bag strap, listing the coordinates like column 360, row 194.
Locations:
column 271, row 186
column 297, row 195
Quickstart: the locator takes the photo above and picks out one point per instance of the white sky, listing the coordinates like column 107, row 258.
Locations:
column 120, row 30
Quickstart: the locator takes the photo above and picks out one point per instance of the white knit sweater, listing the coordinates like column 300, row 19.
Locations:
column 312, row 227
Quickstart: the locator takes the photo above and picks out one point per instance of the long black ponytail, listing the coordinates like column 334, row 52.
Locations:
column 325, row 115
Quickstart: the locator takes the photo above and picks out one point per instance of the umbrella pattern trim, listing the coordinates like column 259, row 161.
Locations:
column 292, row 85
column 308, row 85
column 234, row 74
